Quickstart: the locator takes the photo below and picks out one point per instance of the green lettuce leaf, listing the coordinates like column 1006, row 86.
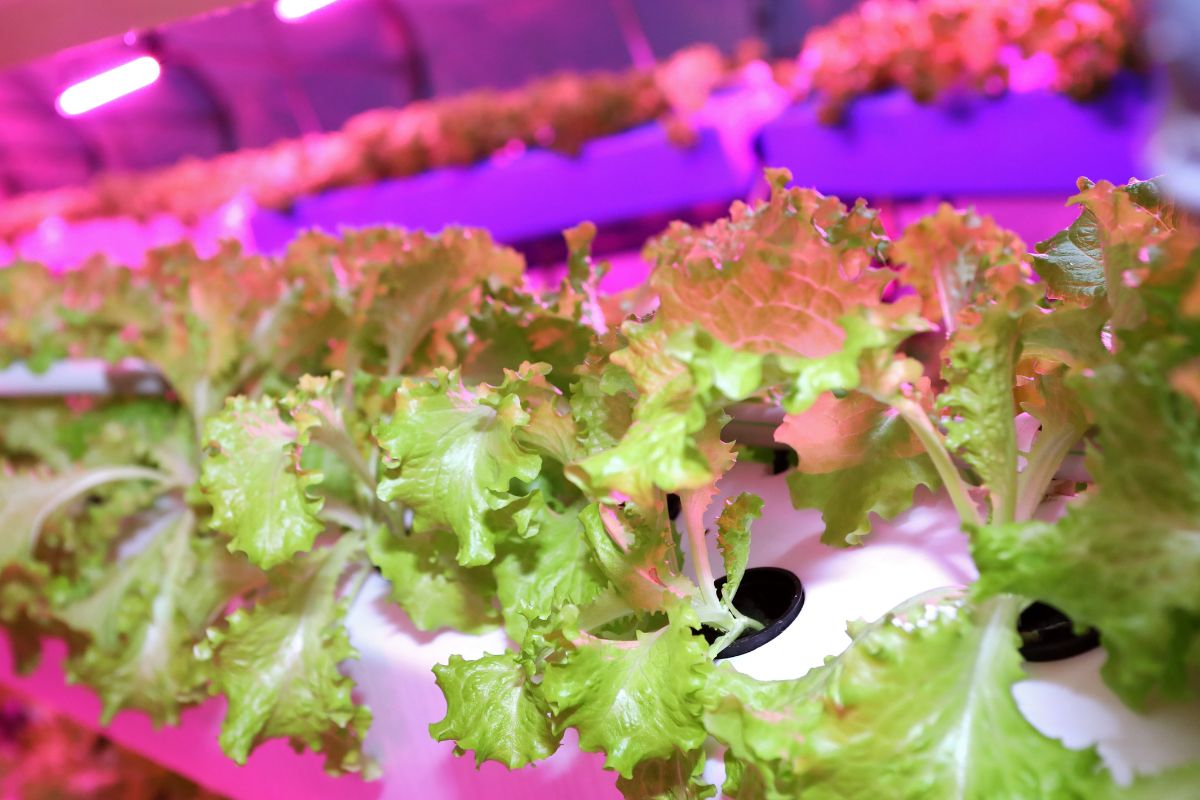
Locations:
column 679, row 777
column 733, row 538
column 29, row 498
column 663, row 448
column 143, row 430
column 143, row 612
column 637, row 553
column 919, row 706
column 453, row 458
column 494, row 708
column 277, row 664
column 633, row 700
column 1133, row 535
column 1124, row 559
column 253, row 477
column 536, row 577
column 430, row 585
column 979, row 406
column 1176, row 783
column 602, row 399
column 1085, row 261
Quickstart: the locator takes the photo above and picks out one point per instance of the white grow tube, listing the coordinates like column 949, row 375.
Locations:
column 924, row 548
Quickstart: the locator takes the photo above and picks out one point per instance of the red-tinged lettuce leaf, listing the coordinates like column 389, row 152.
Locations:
column 871, row 360
column 409, row 290
column 556, row 327
column 201, row 322
column 31, row 325
column 579, row 295
column 636, row 551
column 496, row 709
column 857, row 457
column 635, row 701
column 252, row 476
column 919, row 706
column 277, row 663
column 947, row 254
column 26, row 616
column 453, row 457
column 513, row 328
column 774, row 277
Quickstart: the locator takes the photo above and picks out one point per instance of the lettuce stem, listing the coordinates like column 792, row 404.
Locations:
column 1050, row 449
column 333, row 435
column 604, row 609
column 694, row 503
column 918, row 420
column 91, row 480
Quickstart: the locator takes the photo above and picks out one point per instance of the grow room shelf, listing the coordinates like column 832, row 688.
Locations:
column 533, row 193
column 1023, row 142
column 920, row 550
column 1028, row 144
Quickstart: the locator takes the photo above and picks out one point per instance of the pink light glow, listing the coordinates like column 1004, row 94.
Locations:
column 108, row 86
column 292, row 10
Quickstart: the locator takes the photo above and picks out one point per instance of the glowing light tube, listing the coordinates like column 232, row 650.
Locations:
column 292, row 10
column 108, row 86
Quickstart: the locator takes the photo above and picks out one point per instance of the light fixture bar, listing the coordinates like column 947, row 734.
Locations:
column 108, row 86
column 292, row 10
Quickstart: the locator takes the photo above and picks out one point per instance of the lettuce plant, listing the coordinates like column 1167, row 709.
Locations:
column 804, row 302
column 158, row 536
column 504, row 457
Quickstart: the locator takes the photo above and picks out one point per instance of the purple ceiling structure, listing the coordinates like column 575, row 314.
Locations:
column 242, row 78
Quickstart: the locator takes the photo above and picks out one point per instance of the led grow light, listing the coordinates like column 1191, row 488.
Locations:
column 292, row 10
column 110, row 85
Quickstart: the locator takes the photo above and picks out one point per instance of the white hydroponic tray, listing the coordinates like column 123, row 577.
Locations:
column 920, row 550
